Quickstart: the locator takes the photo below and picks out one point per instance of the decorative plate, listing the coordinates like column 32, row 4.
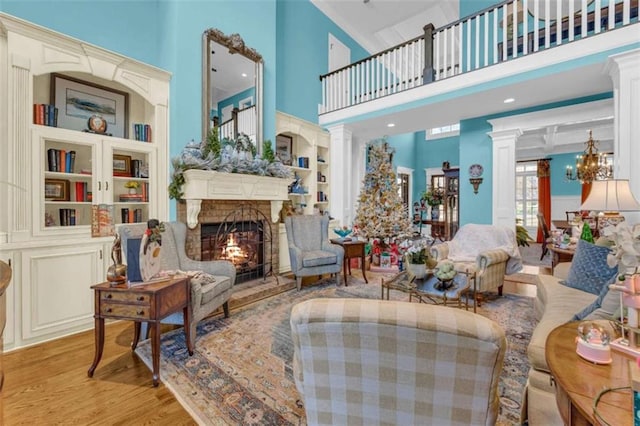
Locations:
column 475, row 170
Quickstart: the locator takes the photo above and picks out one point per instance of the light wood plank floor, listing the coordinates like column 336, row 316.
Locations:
column 47, row 384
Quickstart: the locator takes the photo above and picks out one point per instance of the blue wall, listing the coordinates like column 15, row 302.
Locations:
column 303, row 43
column 560, row 186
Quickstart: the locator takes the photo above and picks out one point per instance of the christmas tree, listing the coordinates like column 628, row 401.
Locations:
column 381, row 213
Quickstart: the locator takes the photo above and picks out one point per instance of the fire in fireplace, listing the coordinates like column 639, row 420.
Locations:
column 242, row 238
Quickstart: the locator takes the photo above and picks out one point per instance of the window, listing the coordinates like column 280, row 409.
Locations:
column 443, row 132
column 527, row 196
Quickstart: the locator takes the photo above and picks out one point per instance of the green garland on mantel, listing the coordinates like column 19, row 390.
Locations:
column 226, row 156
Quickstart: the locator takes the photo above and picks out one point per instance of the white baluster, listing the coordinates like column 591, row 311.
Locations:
column 572, row 17
column 612, row 14
column 505, row 14
column 626, row 11
column 477, row 53
column 514, row 28
column 596, row 28
column 525, row 28
column 583, row 22
column 559, row 23
column 495, row 36
column 486, row 39
column 547, row 23
column 536, row 34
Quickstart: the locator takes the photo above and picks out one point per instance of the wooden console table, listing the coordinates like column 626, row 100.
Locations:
column 143, row 303
column 352, row 249
column 578, row 381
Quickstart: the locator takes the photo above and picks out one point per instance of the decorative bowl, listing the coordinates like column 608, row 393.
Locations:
column 342, row 232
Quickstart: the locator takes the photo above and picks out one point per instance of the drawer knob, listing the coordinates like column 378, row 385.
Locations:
column 109, row 296
column 108, row 309
column 140, row 312
column 140, row 298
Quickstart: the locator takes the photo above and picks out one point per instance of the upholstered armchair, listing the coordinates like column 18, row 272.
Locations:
column 491, row 252
column 206, row 296
column 364, row 361
column 310, row 251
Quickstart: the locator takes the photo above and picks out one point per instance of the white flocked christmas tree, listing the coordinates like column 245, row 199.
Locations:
column 381, row 213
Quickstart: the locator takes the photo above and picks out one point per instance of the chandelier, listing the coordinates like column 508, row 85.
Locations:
column 591, row 165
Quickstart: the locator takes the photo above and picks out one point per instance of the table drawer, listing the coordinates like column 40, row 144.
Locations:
column 124, row 311
column 118, row 296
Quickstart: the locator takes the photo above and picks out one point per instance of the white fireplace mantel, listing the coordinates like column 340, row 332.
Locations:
column 209, row 185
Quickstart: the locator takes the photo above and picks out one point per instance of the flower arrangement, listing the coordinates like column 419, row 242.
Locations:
column 132, row 184
column 625, row 248
column 416, row 255
column 433, row 196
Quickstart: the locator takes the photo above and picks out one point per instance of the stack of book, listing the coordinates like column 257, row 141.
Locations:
column 67, row 217
column 142, row 132
column 60, row 160
column 131, row 198
column 45, row 114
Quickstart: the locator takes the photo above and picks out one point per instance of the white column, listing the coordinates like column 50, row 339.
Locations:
column 624, row 70
column 504, row 176
column 341, row 168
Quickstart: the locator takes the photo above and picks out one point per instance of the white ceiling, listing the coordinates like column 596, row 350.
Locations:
column 379, row 24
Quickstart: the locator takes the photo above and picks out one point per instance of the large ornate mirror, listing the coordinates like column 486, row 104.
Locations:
column 231, row 87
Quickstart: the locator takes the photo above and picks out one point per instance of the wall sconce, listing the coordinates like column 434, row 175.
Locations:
column 476, row 183
column 475, row 171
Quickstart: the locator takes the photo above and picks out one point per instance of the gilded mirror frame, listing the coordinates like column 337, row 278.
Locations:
column 236, row 45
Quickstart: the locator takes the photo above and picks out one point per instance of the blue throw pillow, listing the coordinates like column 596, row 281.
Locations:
column 604, row 293
column 589, row 270
column 133, row 260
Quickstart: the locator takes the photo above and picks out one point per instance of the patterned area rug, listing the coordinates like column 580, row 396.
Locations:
column 241, row 371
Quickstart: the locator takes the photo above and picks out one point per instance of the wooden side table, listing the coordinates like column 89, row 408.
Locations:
column 560, row 254
column 352, row 249
column 142, row 303
column 579, row 381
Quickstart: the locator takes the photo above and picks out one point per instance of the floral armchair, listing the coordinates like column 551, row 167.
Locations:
column 491, row 252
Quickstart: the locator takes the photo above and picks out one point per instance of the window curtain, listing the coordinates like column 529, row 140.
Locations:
column 586, row 189
column 544, row 195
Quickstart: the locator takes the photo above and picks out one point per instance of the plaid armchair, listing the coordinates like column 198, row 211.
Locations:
column 359, row 361
column 491, row 252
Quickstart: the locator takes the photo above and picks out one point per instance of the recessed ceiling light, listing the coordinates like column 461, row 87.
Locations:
column 508, row 100
column 244, row 74
column 391, row 125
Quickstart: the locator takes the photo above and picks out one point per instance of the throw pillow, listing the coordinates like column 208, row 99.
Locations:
column 605, row 305
column 133, row 260
column 589, row 270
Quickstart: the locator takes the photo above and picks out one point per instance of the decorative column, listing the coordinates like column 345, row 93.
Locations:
column 341, row 166
column 623, row 69
column 504, row 173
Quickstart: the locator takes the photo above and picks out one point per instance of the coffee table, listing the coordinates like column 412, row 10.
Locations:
column 426, row 291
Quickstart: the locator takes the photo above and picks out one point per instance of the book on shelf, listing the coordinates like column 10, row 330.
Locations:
column 45, row 115
column 102, row 223
column 82, row 191
column 130, row 215
column 60, row 160
column 67, row 217
column 131, row 198
column 142, row 132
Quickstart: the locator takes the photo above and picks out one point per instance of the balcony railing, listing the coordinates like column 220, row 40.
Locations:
column 474, row 42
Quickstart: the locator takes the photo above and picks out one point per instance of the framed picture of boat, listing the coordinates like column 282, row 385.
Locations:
column 80, row 104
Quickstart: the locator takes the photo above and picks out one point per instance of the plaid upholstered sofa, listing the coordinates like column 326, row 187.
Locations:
column 363, row 361
column 486, row 250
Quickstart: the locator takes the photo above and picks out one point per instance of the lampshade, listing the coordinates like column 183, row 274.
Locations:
column 611, row 196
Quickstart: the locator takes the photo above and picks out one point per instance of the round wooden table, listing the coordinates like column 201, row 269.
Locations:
column 578, row 381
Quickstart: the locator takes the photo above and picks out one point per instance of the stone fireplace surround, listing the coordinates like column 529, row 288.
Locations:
column 215, row 211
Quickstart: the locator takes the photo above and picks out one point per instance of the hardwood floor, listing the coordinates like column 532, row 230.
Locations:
column 48, row 384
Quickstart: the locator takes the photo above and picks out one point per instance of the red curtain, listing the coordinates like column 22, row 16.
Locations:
column 586, row 189
column 544, row 195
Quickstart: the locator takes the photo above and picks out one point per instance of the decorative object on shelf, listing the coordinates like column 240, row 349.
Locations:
column 593, row 343
column 591, row 165
column 56, row 190
column 284, row 149
column 121, row 165
column 475, row 170
column 97, row 124
column 79, row 101
column 117, row 273
column 342, row 232
column 132, row 186
column 150, row 249
column 475, row 182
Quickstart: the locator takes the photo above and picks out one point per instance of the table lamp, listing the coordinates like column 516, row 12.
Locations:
column 610, row 197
